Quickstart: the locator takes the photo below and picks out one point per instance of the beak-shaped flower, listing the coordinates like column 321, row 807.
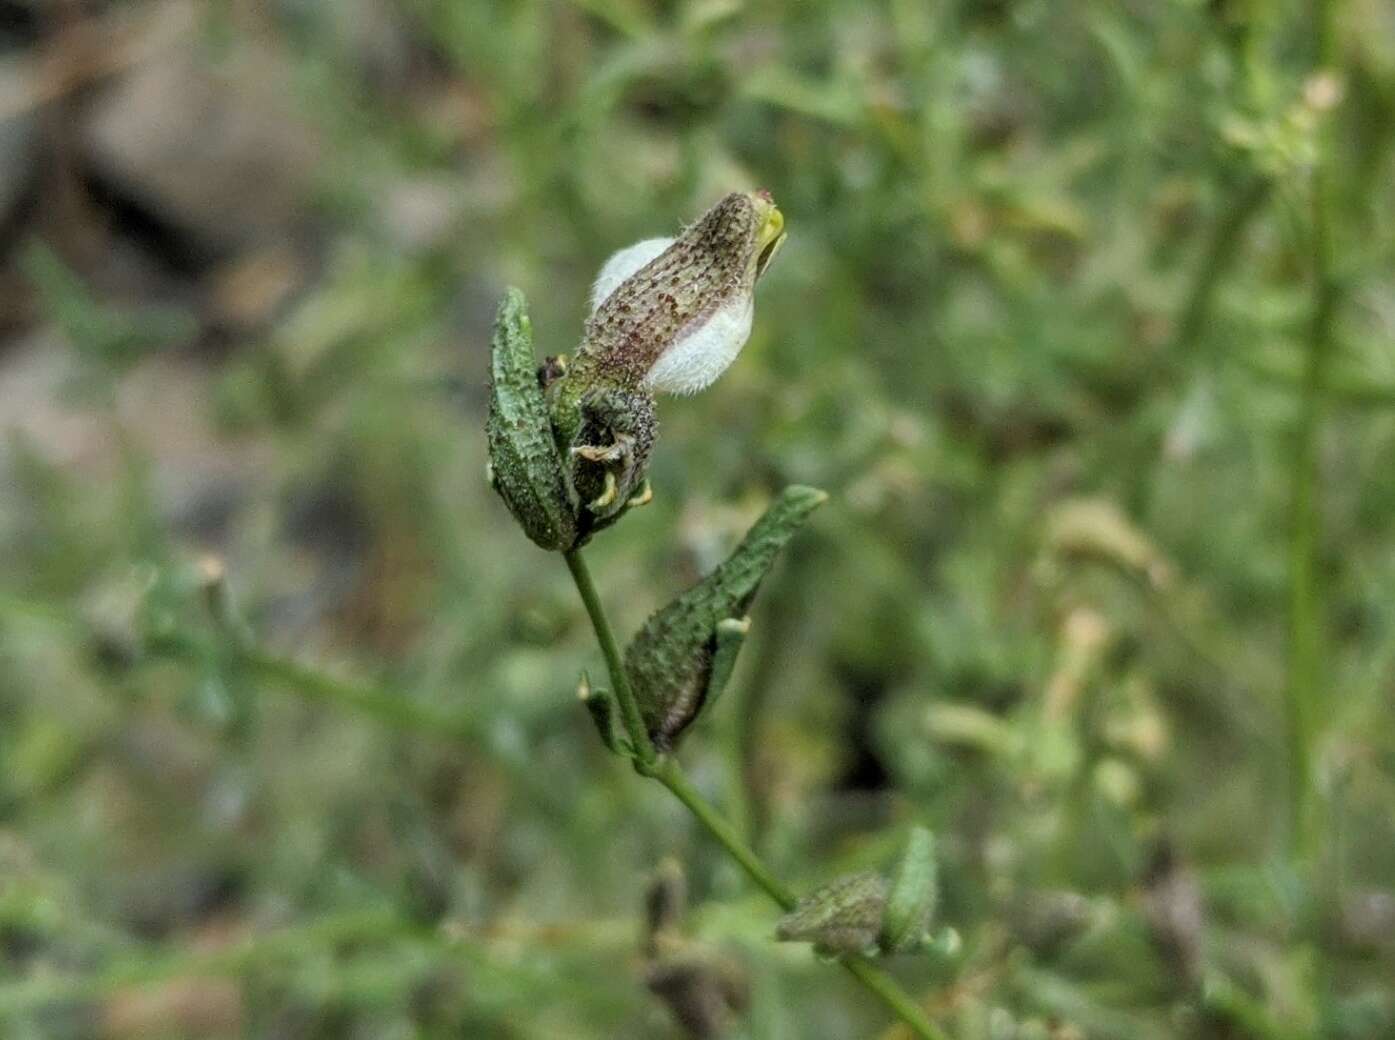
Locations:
column 667, row 315
column 569, row 443
column 672, row 314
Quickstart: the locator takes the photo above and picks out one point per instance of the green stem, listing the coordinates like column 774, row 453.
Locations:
column 1236, row 211
column 673, row 777
column 1343, row 388
column 1240, row 203
column 893, row 996
column 290, row 943
column 295, row 944
column 1305, row 602
column 645, row 755
column 1306, row 611
column 669, row 773
column 388, row 706
column 385, row 706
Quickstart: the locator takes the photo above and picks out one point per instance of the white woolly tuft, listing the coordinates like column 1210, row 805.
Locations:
column 694, row 361
column 623, row 264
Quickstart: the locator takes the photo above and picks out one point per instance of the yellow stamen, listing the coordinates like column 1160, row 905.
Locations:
column 771, row 234
column 608, row 495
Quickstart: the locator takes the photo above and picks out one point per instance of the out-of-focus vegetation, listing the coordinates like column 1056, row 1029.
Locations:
column 1086, row 321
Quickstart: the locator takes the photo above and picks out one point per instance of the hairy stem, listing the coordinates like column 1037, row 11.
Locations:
column 645, row 755
column 673, row 777
column 667, row 771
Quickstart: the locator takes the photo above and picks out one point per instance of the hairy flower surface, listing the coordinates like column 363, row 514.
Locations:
column 666, row 315
column 672, row 314
column 864, row 913
column 842, row 916
column 569, row 442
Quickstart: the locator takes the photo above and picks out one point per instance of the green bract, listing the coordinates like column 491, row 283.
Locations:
column 910, row 904
column 843, row 916
column 525, row 465
column 680, row 661
column 862, row 913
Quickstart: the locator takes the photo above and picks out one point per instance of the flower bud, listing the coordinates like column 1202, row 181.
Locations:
column 704, row 994
column 569, row 444
column 672, row 314
column 843, row 916
column 703, row 990
column 665, row 904
column 1046, row 921
column 862, row 913
column 679, row 661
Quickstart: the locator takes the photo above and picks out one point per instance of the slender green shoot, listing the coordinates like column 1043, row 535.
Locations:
column 668, row 772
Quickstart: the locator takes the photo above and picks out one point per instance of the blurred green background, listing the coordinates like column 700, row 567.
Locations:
column 1086, row 321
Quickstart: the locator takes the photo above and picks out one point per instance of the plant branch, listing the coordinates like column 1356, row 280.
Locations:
column 1305, row 599
column 673, row 777
column 1236, row 212
column 889, row 991
column 386, row 706
column 667, row 771
column 383, row 926
column 645, row 756
column 1241, row 202
column 29, row 994
column 1350, row 390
